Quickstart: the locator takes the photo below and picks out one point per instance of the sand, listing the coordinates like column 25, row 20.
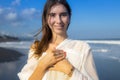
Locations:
column 7, row 55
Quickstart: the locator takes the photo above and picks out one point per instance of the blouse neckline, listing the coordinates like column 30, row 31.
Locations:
column 61, row 43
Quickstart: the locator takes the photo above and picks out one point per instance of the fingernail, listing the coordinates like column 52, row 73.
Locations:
column 65, row 54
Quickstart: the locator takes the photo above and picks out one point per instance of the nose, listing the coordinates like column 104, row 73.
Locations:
column 58, row 19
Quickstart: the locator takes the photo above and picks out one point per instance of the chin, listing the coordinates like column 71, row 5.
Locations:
column 59, row 32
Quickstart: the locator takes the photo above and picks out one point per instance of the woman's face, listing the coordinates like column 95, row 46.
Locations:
column 58, row 19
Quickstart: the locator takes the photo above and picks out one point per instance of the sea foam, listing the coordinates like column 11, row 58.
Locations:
column 104, row 41
column 21, row 44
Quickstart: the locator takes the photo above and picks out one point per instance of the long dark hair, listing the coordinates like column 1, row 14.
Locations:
column 42, row 45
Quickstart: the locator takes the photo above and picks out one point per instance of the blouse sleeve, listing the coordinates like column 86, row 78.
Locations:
column 88, row 67
column 28, row 68
column 82, row 60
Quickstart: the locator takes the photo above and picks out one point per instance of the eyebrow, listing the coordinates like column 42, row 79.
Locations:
column 60, row 13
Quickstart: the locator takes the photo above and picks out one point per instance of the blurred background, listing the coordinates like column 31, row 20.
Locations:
column 94, row 21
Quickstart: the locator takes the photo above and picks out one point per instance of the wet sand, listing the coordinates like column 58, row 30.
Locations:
column 11, row 62
column 7, row 55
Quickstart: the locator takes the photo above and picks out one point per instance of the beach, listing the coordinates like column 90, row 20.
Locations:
column 13, row 56
column 10, row 63
column 8, row 55
column 107, row 59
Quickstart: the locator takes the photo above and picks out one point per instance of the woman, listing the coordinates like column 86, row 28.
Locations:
column 55, row 57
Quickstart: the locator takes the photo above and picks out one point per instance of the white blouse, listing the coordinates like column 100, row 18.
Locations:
column 78, row 53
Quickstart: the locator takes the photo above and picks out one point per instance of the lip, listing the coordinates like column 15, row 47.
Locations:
column 59, row 26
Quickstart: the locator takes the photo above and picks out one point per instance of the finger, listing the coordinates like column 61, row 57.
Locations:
column 59, row 53
column 65, row 54
column 53, row 50
column 62, row 52
column 56, row 52
column 59, row 58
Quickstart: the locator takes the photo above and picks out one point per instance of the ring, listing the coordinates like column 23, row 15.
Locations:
column 56, row 54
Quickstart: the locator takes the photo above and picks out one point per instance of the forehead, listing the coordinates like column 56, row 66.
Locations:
column 58, row 8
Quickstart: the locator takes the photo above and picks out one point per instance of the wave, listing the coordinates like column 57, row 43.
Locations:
column 26, row 44
column 101, row 50
column 104, row 41
column 115, row 58
column 21, row 44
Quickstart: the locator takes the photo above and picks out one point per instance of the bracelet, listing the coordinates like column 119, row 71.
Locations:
column 70, row 74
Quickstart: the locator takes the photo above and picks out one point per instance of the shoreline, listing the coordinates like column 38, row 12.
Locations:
column 8, row 55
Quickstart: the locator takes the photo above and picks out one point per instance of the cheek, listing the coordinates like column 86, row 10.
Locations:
column 50, row 21
column 67, row 20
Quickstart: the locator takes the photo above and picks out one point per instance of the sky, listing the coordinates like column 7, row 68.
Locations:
column 91, row 19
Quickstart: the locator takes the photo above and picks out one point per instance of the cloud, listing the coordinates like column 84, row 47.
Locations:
column 16, row 2
column 8, row 16
column 11, row 16
column 30, row 13
column 22, row 21
column 1, row 10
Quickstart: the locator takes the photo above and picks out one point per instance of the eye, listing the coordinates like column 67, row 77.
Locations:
column 52, row 14
column 64, row 14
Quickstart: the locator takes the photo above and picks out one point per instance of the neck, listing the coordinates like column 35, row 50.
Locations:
column 58, row 39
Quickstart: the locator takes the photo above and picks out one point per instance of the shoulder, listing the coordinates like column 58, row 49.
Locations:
column 78, row 44
column 34, row 49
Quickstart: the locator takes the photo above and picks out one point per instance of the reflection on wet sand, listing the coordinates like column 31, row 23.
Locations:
column 11, row 63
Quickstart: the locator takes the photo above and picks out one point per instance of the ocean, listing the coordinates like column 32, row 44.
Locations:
column 106, row 54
